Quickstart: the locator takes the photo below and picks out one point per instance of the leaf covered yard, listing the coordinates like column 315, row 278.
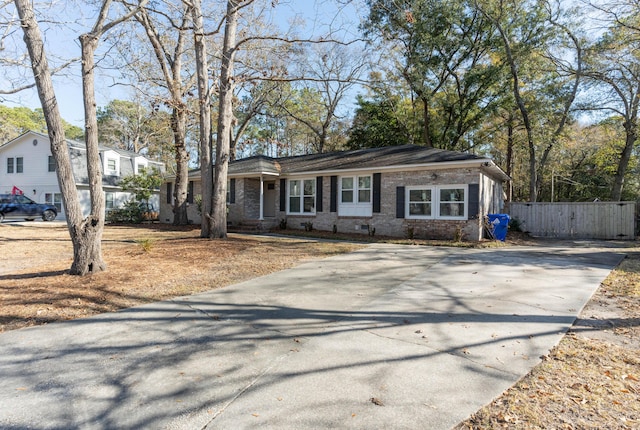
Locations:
column 144, row 265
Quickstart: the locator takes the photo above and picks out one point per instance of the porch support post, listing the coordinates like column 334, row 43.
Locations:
column 261, row 198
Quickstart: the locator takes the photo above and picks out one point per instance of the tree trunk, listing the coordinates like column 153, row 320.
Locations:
column 426, row 129
column 89, row 254
column 515, row 84
column 178, row 126
column 85, row 234
column 172, row 73
column 533, row 193
column 566, row 108
column 202, row 69
column 219, row 210
column 509, row 161
column 630, row 140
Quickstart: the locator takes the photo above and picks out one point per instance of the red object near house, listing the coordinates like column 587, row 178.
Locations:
column 15, row 190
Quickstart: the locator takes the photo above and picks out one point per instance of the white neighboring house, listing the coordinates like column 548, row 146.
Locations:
column 26, row 162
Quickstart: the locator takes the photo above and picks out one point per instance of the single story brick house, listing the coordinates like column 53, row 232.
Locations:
column 394, row 191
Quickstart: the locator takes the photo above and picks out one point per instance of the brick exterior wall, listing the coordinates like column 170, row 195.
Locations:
column 166, row 209
column 385, row 223
column 251, row 198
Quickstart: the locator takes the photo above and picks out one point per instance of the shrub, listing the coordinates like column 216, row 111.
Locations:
column 515, row 224
column 130, row 213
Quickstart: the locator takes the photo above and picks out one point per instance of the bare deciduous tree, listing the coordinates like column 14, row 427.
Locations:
column 86, row 233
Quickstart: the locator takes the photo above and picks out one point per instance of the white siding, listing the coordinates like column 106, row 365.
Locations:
column 35, row 180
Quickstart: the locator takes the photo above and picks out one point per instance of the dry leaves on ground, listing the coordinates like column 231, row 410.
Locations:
column 145, row 264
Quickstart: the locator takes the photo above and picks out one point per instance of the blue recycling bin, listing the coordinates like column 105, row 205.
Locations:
column 499, row 224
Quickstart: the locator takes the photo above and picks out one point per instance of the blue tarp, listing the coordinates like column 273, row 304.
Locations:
column 499, row 224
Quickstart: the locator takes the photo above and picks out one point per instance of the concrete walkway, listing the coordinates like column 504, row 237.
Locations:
column 393, row 337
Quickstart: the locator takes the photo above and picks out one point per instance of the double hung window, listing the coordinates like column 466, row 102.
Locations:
column 15, row 165
column 436, row 202
column 109, row 200
column 302, row 196
column 355, row 196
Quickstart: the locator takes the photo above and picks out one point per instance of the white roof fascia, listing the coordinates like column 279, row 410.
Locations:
column 252, row 174
column 409, row 167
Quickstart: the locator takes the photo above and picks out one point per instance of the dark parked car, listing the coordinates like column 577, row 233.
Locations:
column 19, row 206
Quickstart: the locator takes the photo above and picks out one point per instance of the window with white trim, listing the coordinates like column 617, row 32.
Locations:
column 419, row 200
column 15, row 165
column 111, row 163
column 355, row 196
column 109, row 200
column 302, row 196
column 452, row 202
column 347, row 187
column 51, row 164
column 436, row 202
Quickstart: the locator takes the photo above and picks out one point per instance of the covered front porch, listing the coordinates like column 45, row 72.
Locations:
column 254, row 205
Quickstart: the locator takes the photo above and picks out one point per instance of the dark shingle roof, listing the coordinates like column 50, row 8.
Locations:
column 388, row 156
column 255, row 165
column 372, row 157
column 385, row 157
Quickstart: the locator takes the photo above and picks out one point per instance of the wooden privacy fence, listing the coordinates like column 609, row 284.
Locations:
column 588, row 220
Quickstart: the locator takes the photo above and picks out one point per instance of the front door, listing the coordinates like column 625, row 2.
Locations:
column 269, row 199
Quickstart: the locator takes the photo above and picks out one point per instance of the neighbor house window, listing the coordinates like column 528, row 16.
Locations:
column 54, row 199
column 111, row 164
column 355, row 196
column 51, row 164
column 440, row 202
column 109, row 200
column 15, row 165
column 302, row 196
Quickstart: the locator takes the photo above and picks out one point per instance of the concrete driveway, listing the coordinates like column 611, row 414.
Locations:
column 391, row 336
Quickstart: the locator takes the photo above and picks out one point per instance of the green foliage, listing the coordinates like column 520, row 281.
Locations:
column 131, row 126
column 376, row 124
column 198, row 201
column 18, row 120
column 131, row 213
column 143, row 184
column 515, row 224
column 445, row 51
